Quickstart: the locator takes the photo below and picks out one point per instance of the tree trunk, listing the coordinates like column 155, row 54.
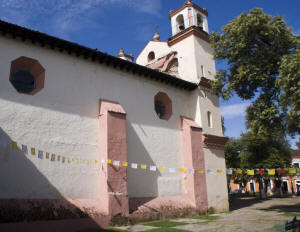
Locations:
column 262, row 193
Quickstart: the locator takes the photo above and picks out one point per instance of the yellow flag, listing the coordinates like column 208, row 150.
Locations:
column 292, row 170
column 143, row 166
column 91, row 161
column 32, row 151
column 47, row 155
column 239, row 171
column 181, row 170
column 162, row 168
column 250, row 172
column 184, row 183
column 58, row 158
column 125, row 164
column 83, row 161
column 219, row 171
column 69, row 160
column 200, row 170
column 96, row 161
column 108, row 161
column 271, row 172
column 77, row 161
column 14, row 145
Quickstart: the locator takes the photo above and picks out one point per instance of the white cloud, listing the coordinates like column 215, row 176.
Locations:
column 235, row 110
column 65, row 16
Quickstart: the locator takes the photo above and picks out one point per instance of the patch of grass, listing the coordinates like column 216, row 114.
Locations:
column 278, row 228
column 226, row 212
column 166, row 229
column 104, row 230
column 206, row 217
column 292, row 214
column 202, row 223
column 165, row 224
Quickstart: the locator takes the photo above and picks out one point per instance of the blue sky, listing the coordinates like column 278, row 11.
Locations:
column 113, row 24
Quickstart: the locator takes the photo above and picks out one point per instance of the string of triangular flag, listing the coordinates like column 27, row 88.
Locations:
column 34, row 152
column 153, row 168
column 264, row 171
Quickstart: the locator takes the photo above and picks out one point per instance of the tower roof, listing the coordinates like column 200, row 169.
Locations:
column 188, row 3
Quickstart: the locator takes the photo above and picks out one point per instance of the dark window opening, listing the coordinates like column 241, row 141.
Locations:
column 23, row 81
column 160, row 108
column 180, row 23
column 200, row 21
column 151, row 56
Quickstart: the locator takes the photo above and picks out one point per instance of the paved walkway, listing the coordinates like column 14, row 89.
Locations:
column 248, row 214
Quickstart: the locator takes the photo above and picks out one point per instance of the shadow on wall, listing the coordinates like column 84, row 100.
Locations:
column 140, row 181
column 20, row 177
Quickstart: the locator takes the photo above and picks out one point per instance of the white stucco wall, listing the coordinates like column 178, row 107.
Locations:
column 160, row 49
column 187, row 66
column 185, row 15
column 204, row 56
column 63, row 119
column 216, row 183
column 204, row 17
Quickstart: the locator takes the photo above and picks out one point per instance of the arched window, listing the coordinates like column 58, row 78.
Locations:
column 163, row 106
column 209, row 119
column 151, row 56
column 202, row 70
column 180, row 23
column 200, row 21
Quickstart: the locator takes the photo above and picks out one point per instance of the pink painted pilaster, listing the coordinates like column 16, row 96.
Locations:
column 113, row 146
column 190, row 15
column 193, row 157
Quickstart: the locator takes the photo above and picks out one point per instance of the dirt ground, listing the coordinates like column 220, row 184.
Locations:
column 247, row 214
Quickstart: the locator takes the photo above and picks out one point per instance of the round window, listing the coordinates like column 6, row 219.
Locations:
column 160, row 108
column 27, row 75
column 23, row 81
column 163, row 106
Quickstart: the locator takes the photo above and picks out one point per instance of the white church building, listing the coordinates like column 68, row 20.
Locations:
column 86, row 133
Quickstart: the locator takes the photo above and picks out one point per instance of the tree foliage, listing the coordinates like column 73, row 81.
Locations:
column 232, row 152
column 263, row 59
column 257, row 151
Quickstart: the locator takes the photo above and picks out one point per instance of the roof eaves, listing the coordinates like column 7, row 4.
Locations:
column 95, row 55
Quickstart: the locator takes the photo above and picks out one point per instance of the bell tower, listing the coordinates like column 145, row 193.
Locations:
column 187, row 16
column 187, row 54
column 190, row 39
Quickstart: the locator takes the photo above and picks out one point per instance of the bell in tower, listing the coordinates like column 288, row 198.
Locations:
column 187, row 16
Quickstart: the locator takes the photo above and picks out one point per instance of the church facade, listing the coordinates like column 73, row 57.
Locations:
column 80, row 128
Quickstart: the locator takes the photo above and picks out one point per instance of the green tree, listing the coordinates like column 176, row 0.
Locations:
column 263, row 65
column 289, row 83
column 264, row 151
column 232, row 152
column 252, row 151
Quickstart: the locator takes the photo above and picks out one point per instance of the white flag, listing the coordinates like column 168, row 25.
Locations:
column 116, row 163
column 133, row 165
column 103, row 161
column 153, row 168
column 191, row 171
column 172, row 170
column 229, row 171
column 209, row 171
